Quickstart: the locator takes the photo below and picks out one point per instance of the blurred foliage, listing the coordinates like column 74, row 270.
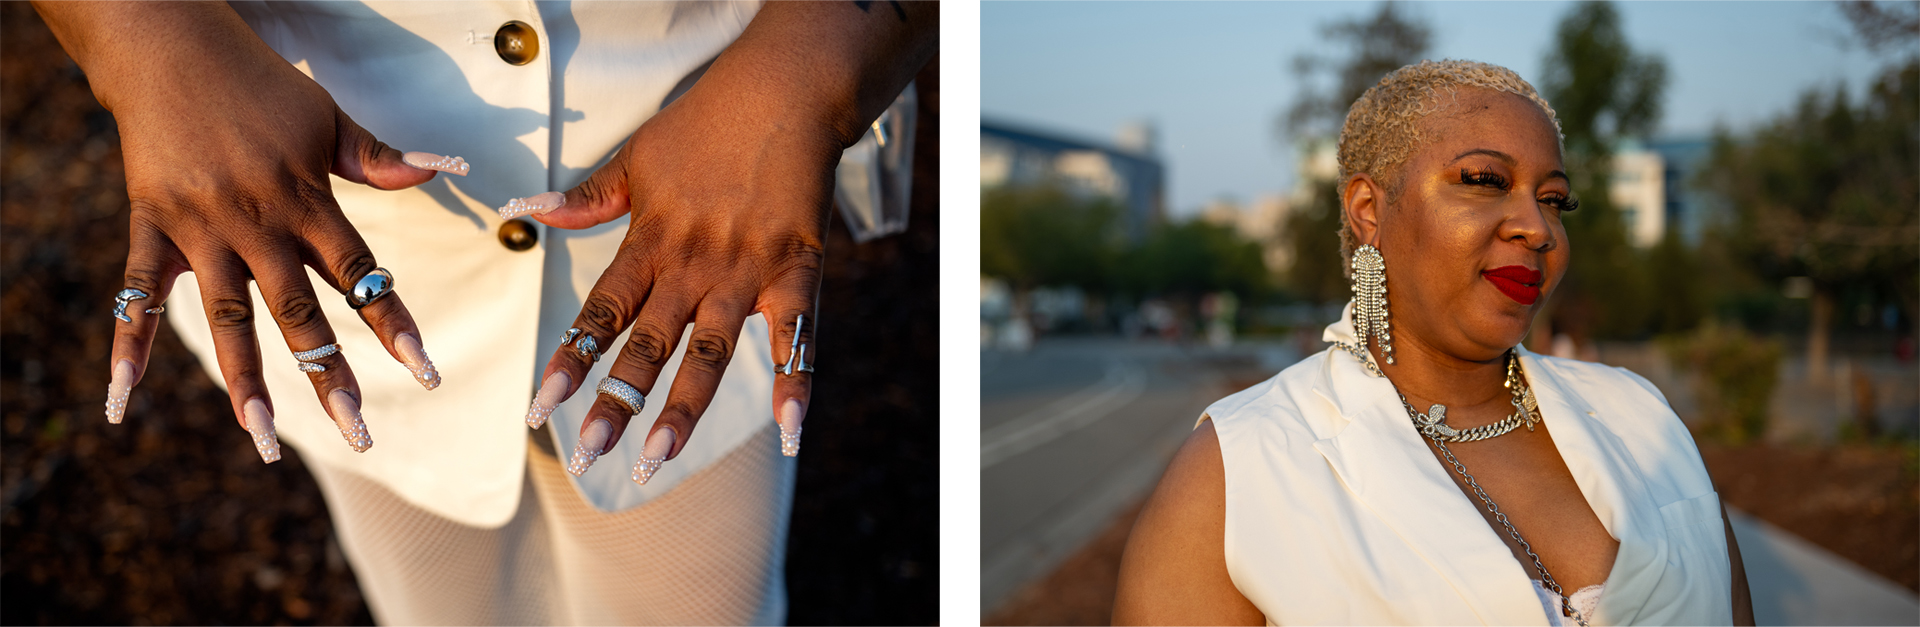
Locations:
column 1602, row 92
column 1737, row 373
column 1044, row 235
column 1829, row 191
column 1885, row 27
column 1377, row 45
column 1034, row 236
column 1374, row 45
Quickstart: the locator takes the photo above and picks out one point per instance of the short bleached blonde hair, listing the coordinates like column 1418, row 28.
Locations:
column 1383, row 127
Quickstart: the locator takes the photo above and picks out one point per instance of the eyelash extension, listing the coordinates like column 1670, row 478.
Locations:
column 1488, row 179
column 1563, row 203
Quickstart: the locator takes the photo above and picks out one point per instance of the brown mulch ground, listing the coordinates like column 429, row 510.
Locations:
column 1860, row 501
column 171, row 517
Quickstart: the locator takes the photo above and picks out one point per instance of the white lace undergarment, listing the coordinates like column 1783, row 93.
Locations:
column 1584, row 599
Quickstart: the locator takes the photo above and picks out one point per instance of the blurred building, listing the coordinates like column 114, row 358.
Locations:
column 1652, row 186
column 1264, row 222
column 1127, row 171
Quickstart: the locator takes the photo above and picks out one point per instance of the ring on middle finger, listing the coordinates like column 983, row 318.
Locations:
column 370, row 288
column 624, row 393
column 309, row 360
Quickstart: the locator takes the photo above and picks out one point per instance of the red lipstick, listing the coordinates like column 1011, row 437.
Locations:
column 1520, row 283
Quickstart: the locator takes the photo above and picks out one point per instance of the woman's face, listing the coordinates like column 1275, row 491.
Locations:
column 1473, row 242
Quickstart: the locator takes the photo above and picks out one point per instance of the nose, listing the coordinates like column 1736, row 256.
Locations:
column 1527, row 225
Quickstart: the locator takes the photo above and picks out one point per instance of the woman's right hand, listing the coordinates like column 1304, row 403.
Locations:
column 228, row 150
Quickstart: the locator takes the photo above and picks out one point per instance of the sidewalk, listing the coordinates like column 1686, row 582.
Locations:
column 1796, row 583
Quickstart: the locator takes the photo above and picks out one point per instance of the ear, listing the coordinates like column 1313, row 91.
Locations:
column 1361, row 204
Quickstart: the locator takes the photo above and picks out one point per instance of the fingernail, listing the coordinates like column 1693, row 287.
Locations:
column 552, row 391
column 533, row 205
column 791, row 414
column 592, row 443
column 346, row 414
column 260, row 424
column 659, row 443
column 415, row 356
column 430, row 161
column 118, row 389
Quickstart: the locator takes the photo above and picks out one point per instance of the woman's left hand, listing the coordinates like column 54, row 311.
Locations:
column 728, row 190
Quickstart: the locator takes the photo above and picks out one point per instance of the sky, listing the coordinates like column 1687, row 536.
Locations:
column 1214, row 77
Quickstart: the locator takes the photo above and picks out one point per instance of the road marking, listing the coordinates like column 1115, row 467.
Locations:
column 1121, row 385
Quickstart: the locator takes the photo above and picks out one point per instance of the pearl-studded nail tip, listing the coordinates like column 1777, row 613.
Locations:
column 659, row 444
column 346, row 414
column 118, row 390
column 266, row 441
column 540, row 204
column 430, row 161
column 592, row 444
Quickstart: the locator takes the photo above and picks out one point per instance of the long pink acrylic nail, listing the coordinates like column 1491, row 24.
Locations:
column 415, row 357
column 541, row 204
column 592, row 444
column 659, row 444
column 791, row 414
column 552, row 391
column 266, row 441
column 430, row 161
column 346, row 415
column 118, row 390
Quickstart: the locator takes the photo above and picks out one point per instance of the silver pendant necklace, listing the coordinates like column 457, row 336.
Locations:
column 1433, row 425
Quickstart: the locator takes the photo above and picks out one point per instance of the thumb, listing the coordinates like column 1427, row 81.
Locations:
column 600, row 199
column 361, row 158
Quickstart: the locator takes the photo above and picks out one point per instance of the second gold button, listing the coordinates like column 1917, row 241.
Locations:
column 516, row 43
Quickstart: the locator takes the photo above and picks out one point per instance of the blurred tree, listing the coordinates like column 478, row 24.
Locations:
column 1603, row 92
column 1831, row 192
column 1186, row 259
column 1885, row 27
column 1035, row 236
column 1375, row 45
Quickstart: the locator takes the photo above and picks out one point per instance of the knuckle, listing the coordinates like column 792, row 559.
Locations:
column 352, row 267
column 142, row 281
column 708, row 351
column 601, row 315
column 297, row 311
column 646, row 346
column 229, row 313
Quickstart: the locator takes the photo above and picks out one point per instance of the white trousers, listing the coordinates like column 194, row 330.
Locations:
column 712, row 551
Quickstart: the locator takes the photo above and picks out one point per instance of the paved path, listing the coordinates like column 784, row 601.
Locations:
column 1796, row 583
column 1077, row 429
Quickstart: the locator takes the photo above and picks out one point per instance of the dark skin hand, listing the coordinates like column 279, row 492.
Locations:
column 1484, row 191
column 728, row 190
column 228, row 149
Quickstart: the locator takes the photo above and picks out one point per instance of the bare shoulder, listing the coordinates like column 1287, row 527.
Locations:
column 1174, row 570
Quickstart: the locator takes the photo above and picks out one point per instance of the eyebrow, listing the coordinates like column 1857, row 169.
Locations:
column 1506, row 158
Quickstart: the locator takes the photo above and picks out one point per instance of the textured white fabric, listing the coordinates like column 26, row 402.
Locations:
column 1583, row 600
column 711, row 552
column 1336, row 513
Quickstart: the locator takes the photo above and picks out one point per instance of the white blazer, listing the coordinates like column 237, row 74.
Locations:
column 1337, row 513
column 425, row 76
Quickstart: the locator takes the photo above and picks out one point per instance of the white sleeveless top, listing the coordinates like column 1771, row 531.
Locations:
column 1338, row 514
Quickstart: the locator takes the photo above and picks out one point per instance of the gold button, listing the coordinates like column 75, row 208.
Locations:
column 516, row 43
column 518, row 235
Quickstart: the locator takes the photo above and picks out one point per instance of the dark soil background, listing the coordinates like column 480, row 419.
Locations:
column 171, row 518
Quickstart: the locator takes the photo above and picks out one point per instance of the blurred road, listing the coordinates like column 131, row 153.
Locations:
column 1076, row 429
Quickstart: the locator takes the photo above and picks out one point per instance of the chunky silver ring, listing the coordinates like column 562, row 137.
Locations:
column 306, row 358
column 625, row 394
column 588, row 348
column 567, row 338
column 370, row 288
column 796, row 352
column 121, row 300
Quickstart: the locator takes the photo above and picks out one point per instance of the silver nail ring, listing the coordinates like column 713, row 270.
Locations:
column 625, row 394
column 370, row 288
column 307, row 358
column 122, row 299
column 796, row 352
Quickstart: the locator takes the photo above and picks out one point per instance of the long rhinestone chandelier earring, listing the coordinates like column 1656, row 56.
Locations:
column 1370, row 299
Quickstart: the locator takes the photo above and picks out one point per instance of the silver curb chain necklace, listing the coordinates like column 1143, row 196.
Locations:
column 1433, row 425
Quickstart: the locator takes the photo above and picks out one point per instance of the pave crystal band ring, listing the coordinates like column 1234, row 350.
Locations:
column 306, row 358
column 620, row 391
column 370, row 288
